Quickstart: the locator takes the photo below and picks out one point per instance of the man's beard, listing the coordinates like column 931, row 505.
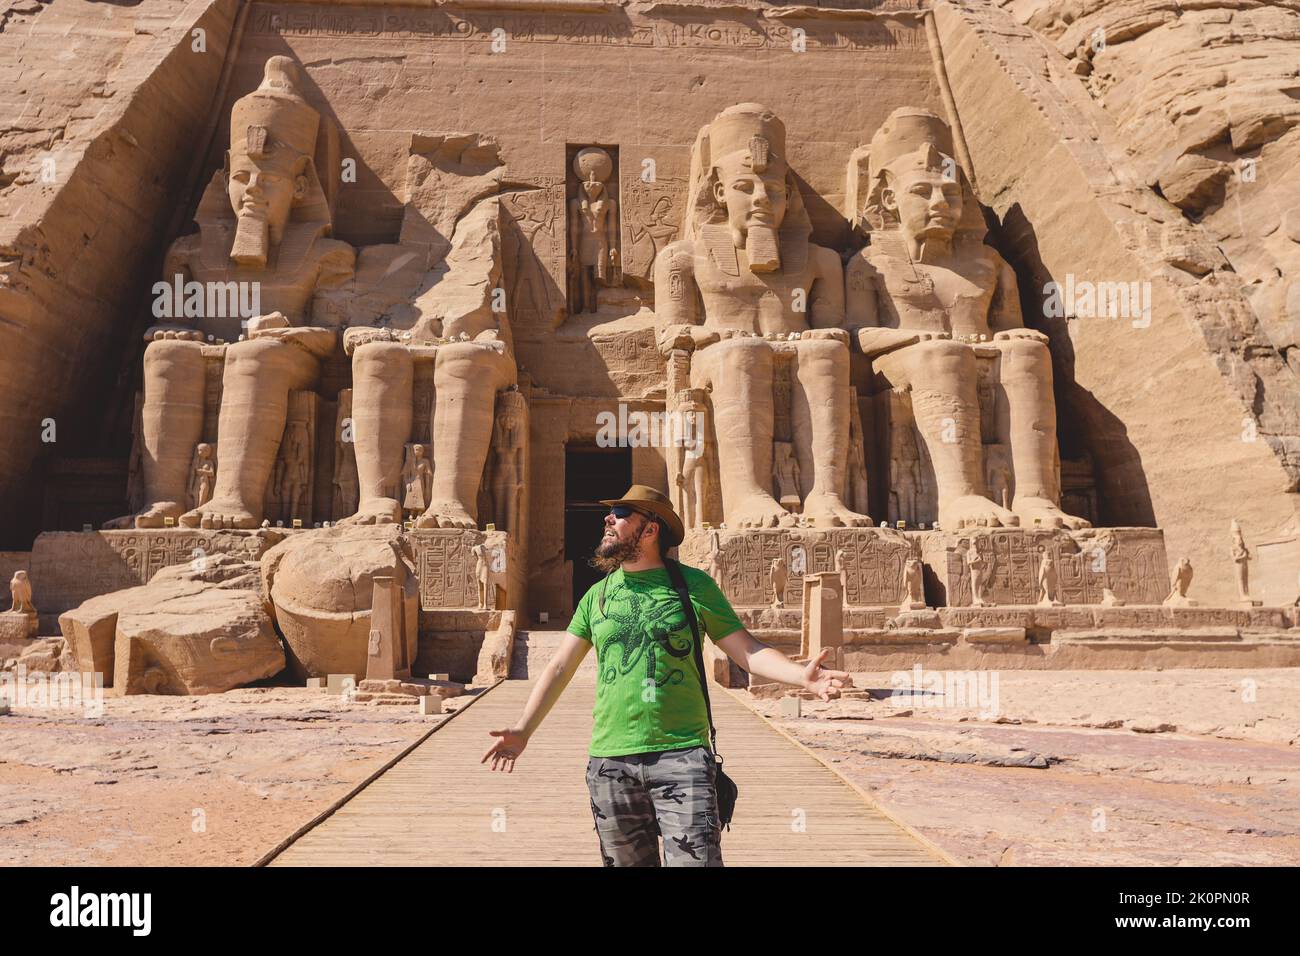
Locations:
column 611, row 554
column 252, row 240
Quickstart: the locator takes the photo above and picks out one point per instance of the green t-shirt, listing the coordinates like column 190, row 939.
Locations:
column 648, row 695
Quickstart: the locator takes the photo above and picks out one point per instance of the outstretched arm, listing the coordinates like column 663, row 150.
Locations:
column 763, row 660
column 550, row 685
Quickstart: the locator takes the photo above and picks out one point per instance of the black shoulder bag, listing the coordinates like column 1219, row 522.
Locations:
column 726, row 787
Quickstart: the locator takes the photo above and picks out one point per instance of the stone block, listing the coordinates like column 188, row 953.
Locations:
column 340, row 683
column 430, row 705
column 791, row 707
column 994, row 635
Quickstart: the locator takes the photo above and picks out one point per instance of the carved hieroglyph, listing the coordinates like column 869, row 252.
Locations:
column 747, row 260
column 262, row 225
column 927, row 300
column 450, row 573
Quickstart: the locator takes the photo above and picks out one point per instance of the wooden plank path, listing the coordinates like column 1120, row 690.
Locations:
column 438, row 806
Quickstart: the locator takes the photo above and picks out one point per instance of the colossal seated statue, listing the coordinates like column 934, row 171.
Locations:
column 742, row 285
column 263, row 224
column 927, row 301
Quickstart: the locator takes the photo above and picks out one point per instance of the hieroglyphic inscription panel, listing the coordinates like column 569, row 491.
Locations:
column 1129, row 561
column 873, row 560
column 69, row 567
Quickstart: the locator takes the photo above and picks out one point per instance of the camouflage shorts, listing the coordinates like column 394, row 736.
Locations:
column 638, row 798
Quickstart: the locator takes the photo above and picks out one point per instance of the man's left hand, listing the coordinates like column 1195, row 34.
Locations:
column 823, row 682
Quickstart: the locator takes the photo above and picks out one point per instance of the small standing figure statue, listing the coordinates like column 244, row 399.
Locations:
column 204, row 472
column 785, row 476
column 294, row 471
column 1182, row 581
column 593, row 231
column 1049, row 582
column 780, row 577
column 20, row 591
column 914, row 581
column 480, row 553
column 978, row 566
column 417, row 480
column 1241, row 557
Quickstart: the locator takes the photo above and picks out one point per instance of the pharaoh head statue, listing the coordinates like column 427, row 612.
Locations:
column 740, row 178
column 593, row 167
column 269, row 165
column 913, row 182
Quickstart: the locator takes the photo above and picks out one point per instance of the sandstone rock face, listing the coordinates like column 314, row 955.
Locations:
column 200, row 628
column 100, row 97
column 1209, row 99
column 1170, row 399
column 320, row 584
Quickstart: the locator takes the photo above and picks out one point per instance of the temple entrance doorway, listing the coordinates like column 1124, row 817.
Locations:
column 590, row 473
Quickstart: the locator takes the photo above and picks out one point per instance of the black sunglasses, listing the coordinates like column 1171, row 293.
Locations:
column 623, row 511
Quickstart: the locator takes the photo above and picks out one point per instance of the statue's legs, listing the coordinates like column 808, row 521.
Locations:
column 1026, row 380
column 738, row 372
column 941, row 376
column 383, row 381
column 172, row 424
column 466, row 379
column 820, row 427
column 258, row 377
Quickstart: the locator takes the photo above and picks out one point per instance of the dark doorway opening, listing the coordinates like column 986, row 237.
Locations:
column 590, row 473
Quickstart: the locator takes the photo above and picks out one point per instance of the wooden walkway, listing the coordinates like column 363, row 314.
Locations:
column 439, row 807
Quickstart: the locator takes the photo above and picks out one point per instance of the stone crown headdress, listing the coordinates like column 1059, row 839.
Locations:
column 274, row 117
column 593, row 163
column 913, row 138
column 746, row 127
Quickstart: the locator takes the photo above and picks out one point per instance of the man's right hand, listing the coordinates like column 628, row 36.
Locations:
column 506, row 750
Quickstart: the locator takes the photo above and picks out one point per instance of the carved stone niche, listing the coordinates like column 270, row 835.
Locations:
column 1129, row 561
column 593, row 233
column 874, row 560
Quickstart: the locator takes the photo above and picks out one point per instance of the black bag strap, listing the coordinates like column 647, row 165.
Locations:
column 684, row 594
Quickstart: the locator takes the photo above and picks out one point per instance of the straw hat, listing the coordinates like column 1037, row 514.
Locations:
column 645, row 498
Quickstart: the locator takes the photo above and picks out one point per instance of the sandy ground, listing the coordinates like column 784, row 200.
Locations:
column 213, row 780
column 1169, row 768
column 1096, row 767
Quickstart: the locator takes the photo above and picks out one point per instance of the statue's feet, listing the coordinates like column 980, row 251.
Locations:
column 376, row 511
column 828, row 511
column 757, row 511
column 1042, row 513
column 220, row 515
column 975, row 511
column 155, row 516
column 446, row 514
